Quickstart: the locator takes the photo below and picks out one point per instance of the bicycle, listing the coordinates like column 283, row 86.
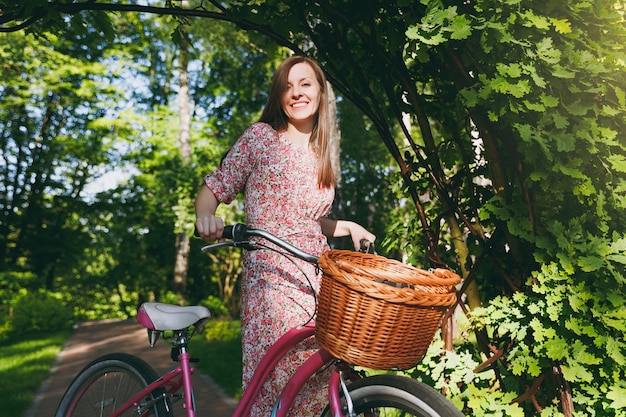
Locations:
column 119, row 384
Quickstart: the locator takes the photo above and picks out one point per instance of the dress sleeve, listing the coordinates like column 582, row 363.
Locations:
column 240, row 161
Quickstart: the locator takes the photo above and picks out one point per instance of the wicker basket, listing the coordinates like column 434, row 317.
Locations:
column 377, row 312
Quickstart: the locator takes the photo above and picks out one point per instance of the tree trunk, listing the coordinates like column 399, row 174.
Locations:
column 335, row 133
column 184, row 146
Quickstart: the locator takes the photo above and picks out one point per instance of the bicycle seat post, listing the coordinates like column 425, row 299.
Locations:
column 180, row 353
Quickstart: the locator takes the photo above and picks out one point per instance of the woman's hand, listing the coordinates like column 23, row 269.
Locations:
column 340, row 228
column 359, row 233
column 209, row 227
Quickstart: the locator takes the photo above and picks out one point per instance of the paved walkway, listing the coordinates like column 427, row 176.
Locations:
column 93, row 339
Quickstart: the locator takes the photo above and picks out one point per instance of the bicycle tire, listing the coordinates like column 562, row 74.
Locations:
column 395, row 395
column 108, row 382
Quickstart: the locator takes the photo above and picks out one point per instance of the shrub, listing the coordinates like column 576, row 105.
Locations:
column 216, row 306
column 41, row 312
column 5, row 327
column 222, row 330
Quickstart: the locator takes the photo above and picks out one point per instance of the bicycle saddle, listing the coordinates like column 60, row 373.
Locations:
column 161, row 317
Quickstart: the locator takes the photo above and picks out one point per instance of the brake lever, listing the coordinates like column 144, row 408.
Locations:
column 245, row 245
column 217, row 245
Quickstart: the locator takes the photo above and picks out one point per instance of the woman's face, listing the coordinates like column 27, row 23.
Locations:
column 301, row 99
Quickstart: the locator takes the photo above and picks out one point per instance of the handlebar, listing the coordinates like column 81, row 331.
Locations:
column 239, row 235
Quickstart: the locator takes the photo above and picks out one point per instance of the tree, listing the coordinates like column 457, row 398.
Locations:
column 184, row 148
column 51, row 142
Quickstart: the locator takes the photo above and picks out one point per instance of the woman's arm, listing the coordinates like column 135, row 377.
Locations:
column 340, row 228
column 208, row 225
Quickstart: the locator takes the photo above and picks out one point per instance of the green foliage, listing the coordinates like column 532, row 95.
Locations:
column 551, row 76
column 41, row 312
column 576, row 325
column 61, row 129
column 222, row 330
column 454, row 373
column 99, row 303
column 366, row 169
column 216, row 306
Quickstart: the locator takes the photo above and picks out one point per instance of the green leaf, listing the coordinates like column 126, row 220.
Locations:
column 575, row 372
column 562, row 72
column 556, row 348
column 562, row 25
column 512, row 70
column 621, row 96
column 520, row 89
column 525, row 131
column 561, row 122
column 577, row 108
column 617, row 258
column 614, row 349
column 522, row 363
column 610, row 111
column 581, row 327
column 549, row 101
column 590, row 263
column 565, row 142
column 615, row 323
column 547, row 52
column 580, row 353
column 576, row 302
column 619, row 246
column 617, row 395
column 531, row 19
column 538, row 107
column 617, row 162
column 461, row 28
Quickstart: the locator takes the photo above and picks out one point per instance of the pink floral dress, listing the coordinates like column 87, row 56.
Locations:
column 282, row 196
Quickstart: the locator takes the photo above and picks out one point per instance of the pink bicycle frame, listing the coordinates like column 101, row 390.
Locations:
column 268, row 362
column 168, row 382
column 295, row 383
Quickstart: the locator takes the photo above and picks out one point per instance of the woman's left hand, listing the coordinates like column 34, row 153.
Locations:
column 359, row 233
column 339, row 228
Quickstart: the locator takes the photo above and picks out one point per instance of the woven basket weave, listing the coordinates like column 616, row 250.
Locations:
column 377, row 312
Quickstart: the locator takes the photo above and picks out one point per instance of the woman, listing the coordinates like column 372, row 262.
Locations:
column 282, row 164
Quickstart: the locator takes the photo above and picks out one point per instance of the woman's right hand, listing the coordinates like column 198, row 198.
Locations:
column 209, row 227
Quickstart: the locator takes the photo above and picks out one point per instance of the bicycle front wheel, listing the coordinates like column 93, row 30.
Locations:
column 394, row 395
column 107, row 383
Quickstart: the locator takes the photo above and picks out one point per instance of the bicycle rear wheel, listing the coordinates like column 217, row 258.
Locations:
column 107, row 383
column 394, row 395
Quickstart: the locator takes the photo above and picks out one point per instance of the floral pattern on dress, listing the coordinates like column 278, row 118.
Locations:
column 282, row 196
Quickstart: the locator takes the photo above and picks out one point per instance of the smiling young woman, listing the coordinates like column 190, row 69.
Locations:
column 282, row 165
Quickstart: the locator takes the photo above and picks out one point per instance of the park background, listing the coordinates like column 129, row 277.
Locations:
column 484, row 136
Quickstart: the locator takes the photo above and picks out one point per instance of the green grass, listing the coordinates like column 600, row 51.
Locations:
column 220, row 357
column 221, row 360
column 24, row 365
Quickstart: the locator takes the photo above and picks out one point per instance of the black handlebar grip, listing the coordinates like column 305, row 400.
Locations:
column 228, row 232
column 366, row 246
column 235, row 232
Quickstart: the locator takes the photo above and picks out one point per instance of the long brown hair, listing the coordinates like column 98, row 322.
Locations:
column 274, row 115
